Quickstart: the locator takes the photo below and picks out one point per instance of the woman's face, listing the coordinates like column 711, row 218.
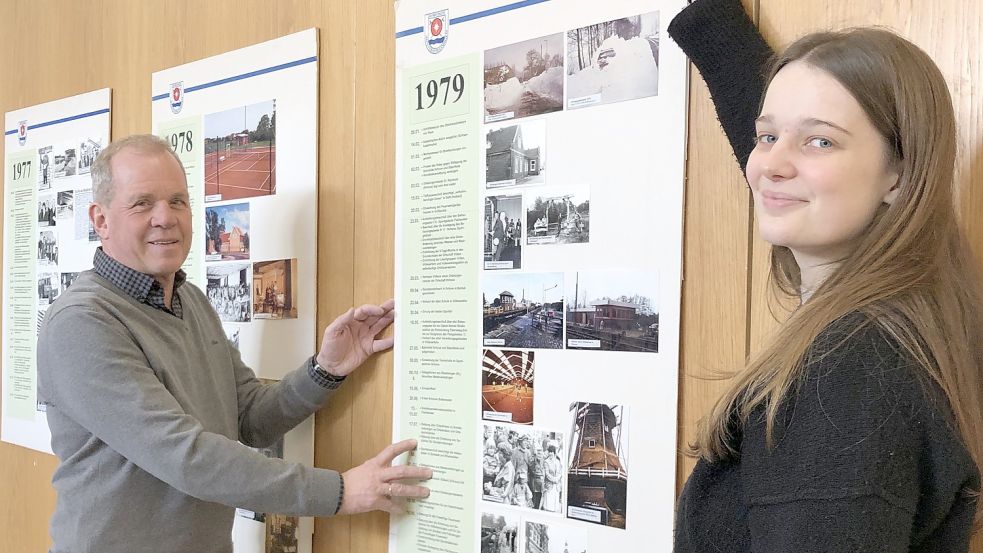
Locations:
column 819, row 169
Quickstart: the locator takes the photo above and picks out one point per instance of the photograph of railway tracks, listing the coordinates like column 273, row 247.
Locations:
column 612, row 311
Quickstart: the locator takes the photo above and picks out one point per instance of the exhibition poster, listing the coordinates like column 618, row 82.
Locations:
column 540, row 150
column 48, row 239
column 244, row 124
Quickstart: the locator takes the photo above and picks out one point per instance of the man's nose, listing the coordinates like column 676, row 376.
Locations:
column 162, row 215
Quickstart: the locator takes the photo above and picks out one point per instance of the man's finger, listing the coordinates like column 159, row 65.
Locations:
column 389, row 304
column 363, row 312
column 400, row 472
column 383, row 323
column 344, row 319
column 394, row 508
column 386, row 456
column 382, row 345
column 408, row 491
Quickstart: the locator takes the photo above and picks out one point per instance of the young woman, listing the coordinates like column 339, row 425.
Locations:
column 858, row 427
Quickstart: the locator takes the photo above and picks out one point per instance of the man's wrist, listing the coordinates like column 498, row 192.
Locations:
column 322, row 376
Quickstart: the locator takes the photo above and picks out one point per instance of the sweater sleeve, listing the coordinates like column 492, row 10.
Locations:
column 113, row 393
column 863, row 459
column 731, row 55
column 267, row 411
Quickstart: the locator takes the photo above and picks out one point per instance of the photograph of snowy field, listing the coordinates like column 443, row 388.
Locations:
column 524, row 79
column 613, row 61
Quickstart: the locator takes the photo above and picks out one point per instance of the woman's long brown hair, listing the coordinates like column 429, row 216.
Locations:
column 911, row 273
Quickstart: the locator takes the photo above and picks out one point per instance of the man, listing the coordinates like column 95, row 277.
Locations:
column 498, row 235
column 147, row 400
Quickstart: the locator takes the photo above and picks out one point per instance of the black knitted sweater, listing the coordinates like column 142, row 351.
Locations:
column 865, row 456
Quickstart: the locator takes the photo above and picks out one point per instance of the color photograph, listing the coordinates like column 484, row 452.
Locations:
column 227, row 232
column 507, row 378
column 275, row 287
column 597, row 474
column 240, row 152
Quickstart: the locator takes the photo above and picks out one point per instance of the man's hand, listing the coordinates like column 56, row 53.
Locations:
column 374, row 485
column 351, row 338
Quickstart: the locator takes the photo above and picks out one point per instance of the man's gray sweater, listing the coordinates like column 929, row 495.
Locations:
column 146, row 411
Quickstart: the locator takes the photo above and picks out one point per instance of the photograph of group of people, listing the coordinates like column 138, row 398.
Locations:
column 503, row 232
column 522, row 468
column 228, row 290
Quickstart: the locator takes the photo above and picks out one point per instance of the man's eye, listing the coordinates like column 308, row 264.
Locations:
column 766, row 138
column 820, row 142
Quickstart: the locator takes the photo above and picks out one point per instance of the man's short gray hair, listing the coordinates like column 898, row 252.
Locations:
column 101, row 172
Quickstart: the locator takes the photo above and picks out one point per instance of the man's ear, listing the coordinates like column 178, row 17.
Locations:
column 97, row 215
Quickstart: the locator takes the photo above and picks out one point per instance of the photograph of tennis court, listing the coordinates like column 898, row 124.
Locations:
column 240, row 152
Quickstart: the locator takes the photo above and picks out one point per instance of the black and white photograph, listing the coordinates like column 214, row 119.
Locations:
column 613, row 311
column 83, row 225
column 48, row 288
column 47, row 248
column 613, row 61
column 499, row 533
column 507, row 378
column 233, row 335
column 275, row 286
column 45, row 167
column 228, row 290
column 523, row 310
column 558, row 216
column 66, row 204
column 597, row 474
column 547, row 537
column 46, row 210
column 227, row 232
column 67, row 279
column 522, row 467
column 65, row 163
column 503, row 232
column 515, row 154
column 88, row 150
column 523, row 79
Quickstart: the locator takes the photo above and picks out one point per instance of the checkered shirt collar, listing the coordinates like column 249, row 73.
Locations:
column 140, row 286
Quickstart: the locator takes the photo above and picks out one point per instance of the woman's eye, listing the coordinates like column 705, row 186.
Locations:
column 820, row 142
column 766, row 138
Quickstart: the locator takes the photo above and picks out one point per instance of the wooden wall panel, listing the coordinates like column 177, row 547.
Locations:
column 72, row 47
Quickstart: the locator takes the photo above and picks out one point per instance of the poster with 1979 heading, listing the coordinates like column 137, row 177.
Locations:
column 539, row 172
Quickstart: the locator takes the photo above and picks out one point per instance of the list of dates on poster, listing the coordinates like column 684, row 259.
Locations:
column 439, row 276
